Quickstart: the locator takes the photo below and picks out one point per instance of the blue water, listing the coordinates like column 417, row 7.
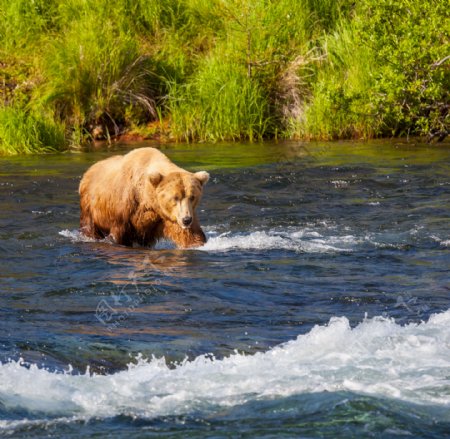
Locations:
column 318, row 308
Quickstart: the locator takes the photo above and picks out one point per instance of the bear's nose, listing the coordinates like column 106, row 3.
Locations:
column 187, row 220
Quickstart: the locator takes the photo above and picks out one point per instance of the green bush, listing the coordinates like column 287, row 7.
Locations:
column 245, row 87
column 410, row 43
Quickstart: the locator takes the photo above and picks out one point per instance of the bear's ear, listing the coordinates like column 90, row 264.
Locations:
column 202, row 177
column 155, row 178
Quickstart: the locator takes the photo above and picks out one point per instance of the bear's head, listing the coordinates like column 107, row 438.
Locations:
column 178, row 195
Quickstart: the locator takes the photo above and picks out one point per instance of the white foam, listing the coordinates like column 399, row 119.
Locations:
column 311, row 238
column 340, row 183
column 76, row 236
column 302, row 240
column 378, row 357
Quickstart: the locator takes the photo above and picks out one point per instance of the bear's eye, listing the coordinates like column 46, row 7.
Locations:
column 176, row 198
column 191, row 198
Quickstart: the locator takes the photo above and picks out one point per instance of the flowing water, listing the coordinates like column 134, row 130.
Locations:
column 320, row 306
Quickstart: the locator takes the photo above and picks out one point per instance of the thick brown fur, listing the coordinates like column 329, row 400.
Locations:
column 141, row 197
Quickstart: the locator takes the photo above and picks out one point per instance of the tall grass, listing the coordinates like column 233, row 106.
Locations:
column 227, row 69
column 23, row 22
column 340, row 106
column 23, row 132
column 95, row 76
column 329, row 13
column 219, row 103
column 240, row 89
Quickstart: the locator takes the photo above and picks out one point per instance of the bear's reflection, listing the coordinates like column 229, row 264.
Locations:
column 146, row 266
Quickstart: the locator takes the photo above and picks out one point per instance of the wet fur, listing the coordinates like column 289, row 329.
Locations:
column 119, row 201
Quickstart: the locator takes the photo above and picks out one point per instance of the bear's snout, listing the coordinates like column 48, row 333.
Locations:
column 187, row 221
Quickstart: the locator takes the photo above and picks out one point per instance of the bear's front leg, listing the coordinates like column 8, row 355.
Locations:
column 184, row 238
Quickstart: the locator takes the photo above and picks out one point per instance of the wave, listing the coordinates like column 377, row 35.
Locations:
column 305, row 240
column 300, row 240
column 378, row 357
column 315, row 238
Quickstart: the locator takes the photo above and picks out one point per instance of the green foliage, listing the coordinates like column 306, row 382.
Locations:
column 22, row 132
column 220, row 102
column 24, row 21
column 224, row 69
column 387, row 73
column 410, row 43
column 330, row 12
column 339, row 106
column 244, row 87
column 94, row 74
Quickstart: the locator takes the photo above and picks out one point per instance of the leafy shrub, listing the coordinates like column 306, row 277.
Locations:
column 410, row 43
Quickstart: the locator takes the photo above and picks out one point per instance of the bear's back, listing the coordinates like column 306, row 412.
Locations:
column 149, row 160
column 101, row 174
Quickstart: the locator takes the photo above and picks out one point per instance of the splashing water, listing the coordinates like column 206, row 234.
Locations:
column 377, row 357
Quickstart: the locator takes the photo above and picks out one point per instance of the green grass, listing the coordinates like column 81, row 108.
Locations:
column 210, row 70
column 22, row 132
column 24, row 22
column 220, row 102
column 340, row 106
column 96, row 76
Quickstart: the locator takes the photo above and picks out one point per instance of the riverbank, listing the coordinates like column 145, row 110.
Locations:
column 189, row 70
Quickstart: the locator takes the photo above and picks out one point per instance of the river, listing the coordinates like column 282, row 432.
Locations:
column 319, row 307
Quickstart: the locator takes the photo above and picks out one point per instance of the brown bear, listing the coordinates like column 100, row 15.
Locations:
column 141, row 197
